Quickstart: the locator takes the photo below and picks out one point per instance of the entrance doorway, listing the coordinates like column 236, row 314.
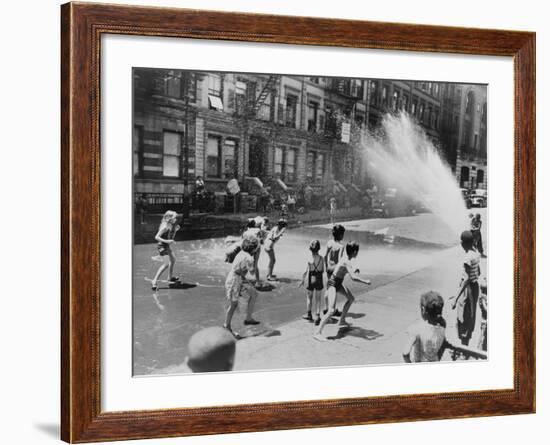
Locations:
column 257, row 156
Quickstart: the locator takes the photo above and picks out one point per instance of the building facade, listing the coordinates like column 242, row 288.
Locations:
column 465, row 130
column 285, row 131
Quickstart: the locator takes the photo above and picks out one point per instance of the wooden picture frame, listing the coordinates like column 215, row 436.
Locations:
column 82, row 26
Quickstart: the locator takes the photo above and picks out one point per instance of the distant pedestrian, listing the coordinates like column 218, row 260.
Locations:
column 141, row 207
column 314, row 275
column 336, row 286
column 165, row 238
column 211, row 350
column 466, row 300
column 332, row 209
column 237, row 282
column 272, row 237
column 426, row 339
column 476, row 233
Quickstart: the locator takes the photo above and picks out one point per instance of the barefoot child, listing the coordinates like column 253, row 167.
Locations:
column 426, row 339
column 466, row 300
column 333, row 254
column 336, row 286
column 272, row 237
column 236, row 282
column 314, row 273
column 165, row 239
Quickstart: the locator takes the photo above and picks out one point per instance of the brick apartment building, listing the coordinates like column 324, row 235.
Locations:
column 286, row 131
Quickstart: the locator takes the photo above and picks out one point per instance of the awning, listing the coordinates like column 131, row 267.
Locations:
column 354, row 187
column 281, row 184
column 255, row 180
column 215, row 102
column 341, row 187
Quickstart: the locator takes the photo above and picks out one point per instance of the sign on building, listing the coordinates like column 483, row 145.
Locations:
column 346, row 132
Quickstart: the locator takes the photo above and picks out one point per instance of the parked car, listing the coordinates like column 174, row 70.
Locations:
column 478, row 198
column 395, row 203
column 478, row 201
column 466, row 197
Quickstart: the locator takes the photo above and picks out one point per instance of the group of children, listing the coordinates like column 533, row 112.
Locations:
column 426, row 340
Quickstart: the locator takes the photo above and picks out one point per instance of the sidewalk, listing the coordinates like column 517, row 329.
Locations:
column 379, row 320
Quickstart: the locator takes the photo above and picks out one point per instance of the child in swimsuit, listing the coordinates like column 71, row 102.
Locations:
column 165, row 239
column 269, row 246
column 334, row 252
column 314, row 273
column 336, row 286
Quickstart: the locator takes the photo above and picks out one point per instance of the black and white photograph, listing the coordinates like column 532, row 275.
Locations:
column 287, row 221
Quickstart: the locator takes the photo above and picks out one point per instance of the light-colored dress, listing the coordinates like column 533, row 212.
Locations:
column 234, row 282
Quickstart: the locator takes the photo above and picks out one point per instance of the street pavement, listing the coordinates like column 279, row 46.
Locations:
column 403, row 257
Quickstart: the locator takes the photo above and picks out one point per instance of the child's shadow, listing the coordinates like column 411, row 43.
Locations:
column 181, row 285
column 355, row 331
column 265, row 287
column 355, row 315
column 286, row 280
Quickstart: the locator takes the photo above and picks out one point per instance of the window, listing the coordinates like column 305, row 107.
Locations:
column 470, row 99
column 320, row 167
column 229, row 157
column 413, row 108
column 290, row 165
column 172, row 85
column 278, row 168
column 291, row 106
column 213, row 157
column 137, row 142
column 314, row 80
column 384, row 95
column 240, row 96
column 215, row 92
column 313, row 111
column 405, row 103
column 373, row 92
column 394, row 100
column 475, row 140
column 171, row 154
column 436, row 117
column 466, row 135
column 214, row 85
column 421, row 113
column 310, row 165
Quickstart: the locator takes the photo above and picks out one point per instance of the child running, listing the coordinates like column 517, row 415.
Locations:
column 426, row 339
column 272, row 237
column 236, row 282
column 165, row 239
column 333, row 253
column 314, row 273
column 336, row 286
column 467, row 297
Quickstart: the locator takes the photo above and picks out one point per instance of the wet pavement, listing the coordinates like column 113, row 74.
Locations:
column 399, row 253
